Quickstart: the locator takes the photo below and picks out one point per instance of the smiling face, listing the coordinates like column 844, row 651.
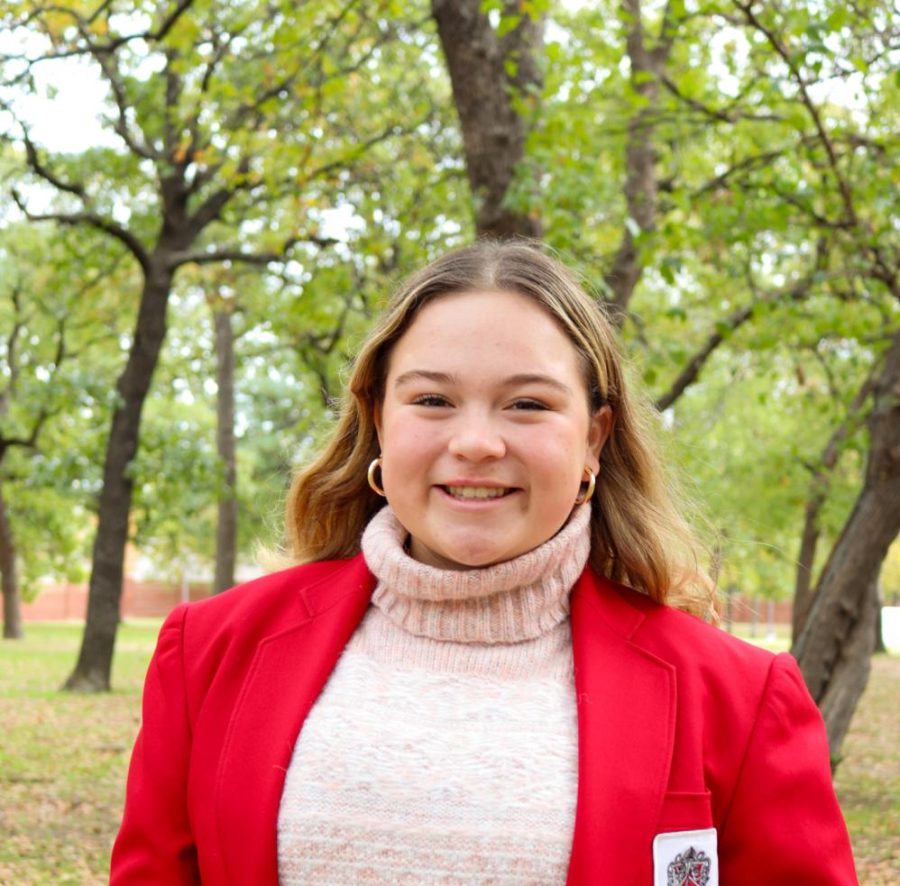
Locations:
column 485, row 429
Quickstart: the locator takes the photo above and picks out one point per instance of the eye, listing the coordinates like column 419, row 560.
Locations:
column 431, row 400
column 529, row 405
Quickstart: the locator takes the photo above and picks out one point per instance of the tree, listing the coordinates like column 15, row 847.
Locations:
column 56, row 312
column 838, row 638
column 225, row 129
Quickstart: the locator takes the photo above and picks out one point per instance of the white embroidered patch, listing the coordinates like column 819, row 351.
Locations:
column 686, row 858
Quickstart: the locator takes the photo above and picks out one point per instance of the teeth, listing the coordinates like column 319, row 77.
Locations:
column 476, row 491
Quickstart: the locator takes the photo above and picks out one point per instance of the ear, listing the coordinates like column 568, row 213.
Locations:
column 600, row 428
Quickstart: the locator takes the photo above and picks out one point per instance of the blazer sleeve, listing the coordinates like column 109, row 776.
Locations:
column 155, row 842
column 783, row 824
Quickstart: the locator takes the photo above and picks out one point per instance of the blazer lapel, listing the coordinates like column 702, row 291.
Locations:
column 288, row 672
column 626, row 726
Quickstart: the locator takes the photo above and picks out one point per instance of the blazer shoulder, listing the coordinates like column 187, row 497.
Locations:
column 683, row 639
column 726, row 677
column 261, row 606
column 220, row 635
column 709, row 638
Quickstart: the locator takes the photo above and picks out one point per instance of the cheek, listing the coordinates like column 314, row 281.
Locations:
column 560, row 457
column 406, row 445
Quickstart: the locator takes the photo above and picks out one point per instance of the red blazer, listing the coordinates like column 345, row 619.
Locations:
column 680, row 727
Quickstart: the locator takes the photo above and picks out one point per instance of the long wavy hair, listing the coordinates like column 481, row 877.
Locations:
column 638, row 534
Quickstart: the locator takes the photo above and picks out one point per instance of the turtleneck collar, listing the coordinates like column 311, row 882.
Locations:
column 509, row 602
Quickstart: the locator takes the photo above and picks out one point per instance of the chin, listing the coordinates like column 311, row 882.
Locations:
column 477, row 558
column 459, row 557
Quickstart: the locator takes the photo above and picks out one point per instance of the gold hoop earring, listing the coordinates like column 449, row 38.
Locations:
column 585, row 496
column 374, row 466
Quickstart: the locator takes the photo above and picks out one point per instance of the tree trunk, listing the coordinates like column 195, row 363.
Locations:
column 226, row 527
column 818, row 494
column 850, row 675
column 487, row 73
column 833, row 656
column 809, row 541
column 94, row 665
column 878, row 639
column 648, row 64
column 9, row 577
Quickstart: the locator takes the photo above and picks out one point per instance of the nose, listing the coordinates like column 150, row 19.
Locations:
column 476, row 438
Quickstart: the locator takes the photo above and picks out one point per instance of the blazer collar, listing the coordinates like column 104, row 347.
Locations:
column 626, row 726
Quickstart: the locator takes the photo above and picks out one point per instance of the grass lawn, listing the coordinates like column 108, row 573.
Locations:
column 63, row 759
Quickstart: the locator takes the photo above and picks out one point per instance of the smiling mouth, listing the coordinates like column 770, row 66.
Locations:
column 477, row 492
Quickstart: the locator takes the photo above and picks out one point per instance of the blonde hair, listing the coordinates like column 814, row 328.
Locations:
column 638, row 536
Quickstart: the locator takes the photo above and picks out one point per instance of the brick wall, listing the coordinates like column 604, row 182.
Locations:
column 745, row 609
column 58, row 602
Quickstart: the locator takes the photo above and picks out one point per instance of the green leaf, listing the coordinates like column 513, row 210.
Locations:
column 508, row 24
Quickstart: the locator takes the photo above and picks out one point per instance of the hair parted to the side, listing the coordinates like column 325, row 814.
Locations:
column 638, row 534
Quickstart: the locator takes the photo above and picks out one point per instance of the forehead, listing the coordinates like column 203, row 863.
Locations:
column 460, row 329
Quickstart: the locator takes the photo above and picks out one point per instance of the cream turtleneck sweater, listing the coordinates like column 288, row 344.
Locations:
column 443, row 748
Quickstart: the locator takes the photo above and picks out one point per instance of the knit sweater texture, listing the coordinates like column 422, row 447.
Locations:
column 443, row 748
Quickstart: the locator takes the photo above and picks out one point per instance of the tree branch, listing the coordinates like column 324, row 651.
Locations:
column 122, row 104
column 97, row 49
column 123, row 235
column 236, row 254
column 641, row 186
column 691, row 370
column 727, row 326
column 747, row 164
column 11, row 355
column 781, row 50
column 723, row 115
column 44, row 172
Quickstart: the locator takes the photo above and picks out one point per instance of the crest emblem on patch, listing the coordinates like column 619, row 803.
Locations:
column 690, row 868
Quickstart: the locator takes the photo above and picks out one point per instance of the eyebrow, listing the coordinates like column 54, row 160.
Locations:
column 424, row 375
column 522, row 378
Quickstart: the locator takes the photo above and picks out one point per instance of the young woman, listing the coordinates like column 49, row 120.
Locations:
column 490, row 668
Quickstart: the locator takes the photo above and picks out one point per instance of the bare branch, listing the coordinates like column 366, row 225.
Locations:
column 354, row 154
column 831, row 452
column 806, row 208
column 173, row 94
column 106, row 4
